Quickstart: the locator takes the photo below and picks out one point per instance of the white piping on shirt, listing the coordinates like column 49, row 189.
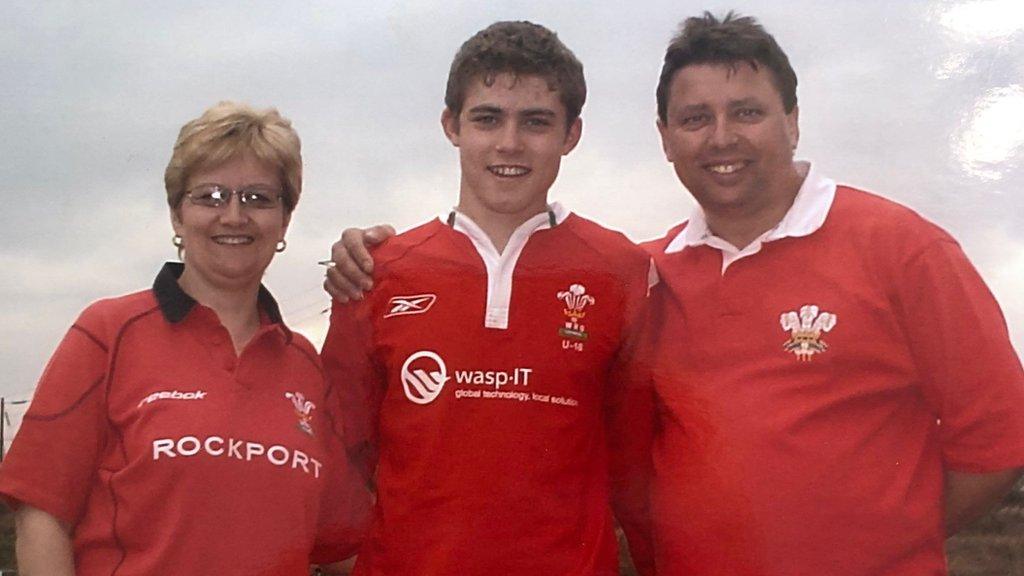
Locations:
column 501, row 267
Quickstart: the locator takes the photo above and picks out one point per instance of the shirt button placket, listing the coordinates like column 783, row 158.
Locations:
column 224, row 350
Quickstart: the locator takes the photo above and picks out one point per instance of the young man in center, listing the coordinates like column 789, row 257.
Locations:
column 480, row 376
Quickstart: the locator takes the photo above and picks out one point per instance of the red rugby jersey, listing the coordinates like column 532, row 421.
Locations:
column 169, row 454
column 475, row 385
column 802, row 391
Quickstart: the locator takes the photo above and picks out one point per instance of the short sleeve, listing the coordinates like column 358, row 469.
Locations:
column 56, row 452
column 970, row 373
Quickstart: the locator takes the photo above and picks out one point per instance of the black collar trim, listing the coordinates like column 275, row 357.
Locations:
column 552, row 220
column 176, row 304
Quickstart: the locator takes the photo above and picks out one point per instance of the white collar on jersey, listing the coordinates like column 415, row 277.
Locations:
column 804, row 217
column 501, row 267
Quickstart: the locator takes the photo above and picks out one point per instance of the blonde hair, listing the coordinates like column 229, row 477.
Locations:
column 229, row 130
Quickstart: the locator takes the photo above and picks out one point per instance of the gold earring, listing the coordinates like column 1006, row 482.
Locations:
column 179, row 243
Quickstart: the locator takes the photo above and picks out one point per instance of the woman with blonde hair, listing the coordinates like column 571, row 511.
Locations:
column 185, row 429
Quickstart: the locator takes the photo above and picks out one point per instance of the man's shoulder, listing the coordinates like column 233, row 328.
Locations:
column 852, row 201
column 401, row 245
column 658, row 246
column 603, row 241
column 867, row 213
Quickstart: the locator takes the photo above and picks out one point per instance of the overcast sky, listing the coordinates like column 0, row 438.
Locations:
column 920, row 101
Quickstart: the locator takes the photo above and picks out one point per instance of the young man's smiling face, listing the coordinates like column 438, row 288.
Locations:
column 511, row 137
column 730, row 139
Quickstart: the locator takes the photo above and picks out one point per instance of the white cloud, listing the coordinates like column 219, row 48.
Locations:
column 992, row 136
column 643, row 199
column 983, row 20
column 955, row 64
column 1004, row 273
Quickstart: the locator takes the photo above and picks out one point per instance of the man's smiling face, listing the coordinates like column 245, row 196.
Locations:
column 511, row 137
column 729, row 137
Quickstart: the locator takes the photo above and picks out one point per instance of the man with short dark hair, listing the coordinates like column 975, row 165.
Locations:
column 838, row 388
column 478, row 379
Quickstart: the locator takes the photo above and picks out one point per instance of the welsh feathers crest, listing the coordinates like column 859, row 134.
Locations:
column 576, row 299
column 805, row 330
column 303, row 410
column 572, row 331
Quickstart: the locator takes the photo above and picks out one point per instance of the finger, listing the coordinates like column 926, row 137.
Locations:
column 355, row 275
column 376, row 234
column 342, row 285
column 352, row 246
column 334, row 292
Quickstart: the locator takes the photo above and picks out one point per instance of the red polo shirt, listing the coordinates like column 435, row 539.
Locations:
column 479, row 382
column 167, row 453
column 814, row 392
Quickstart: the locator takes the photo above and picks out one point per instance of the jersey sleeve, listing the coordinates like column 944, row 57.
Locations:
column 629, row 413
column 357, row 380
column 345, row 504
column 969, row 372
column 57, row 449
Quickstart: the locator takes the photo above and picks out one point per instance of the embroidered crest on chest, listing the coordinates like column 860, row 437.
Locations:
column 805, row 331
column 573, row 331
column 303, row 410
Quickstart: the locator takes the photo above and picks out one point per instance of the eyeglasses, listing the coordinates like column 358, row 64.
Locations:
column 256, row 196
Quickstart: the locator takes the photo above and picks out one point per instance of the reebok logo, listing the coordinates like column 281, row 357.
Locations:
column 173, row 395
column 406, row 305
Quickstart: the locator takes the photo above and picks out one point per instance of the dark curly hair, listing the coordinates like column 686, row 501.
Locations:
column 733, row 40
column 519, row 48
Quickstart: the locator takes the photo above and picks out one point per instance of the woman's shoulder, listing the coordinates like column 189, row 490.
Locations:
column 108, row 316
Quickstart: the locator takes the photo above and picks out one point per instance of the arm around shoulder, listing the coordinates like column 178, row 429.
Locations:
column 351, row 265
column 630, row 421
